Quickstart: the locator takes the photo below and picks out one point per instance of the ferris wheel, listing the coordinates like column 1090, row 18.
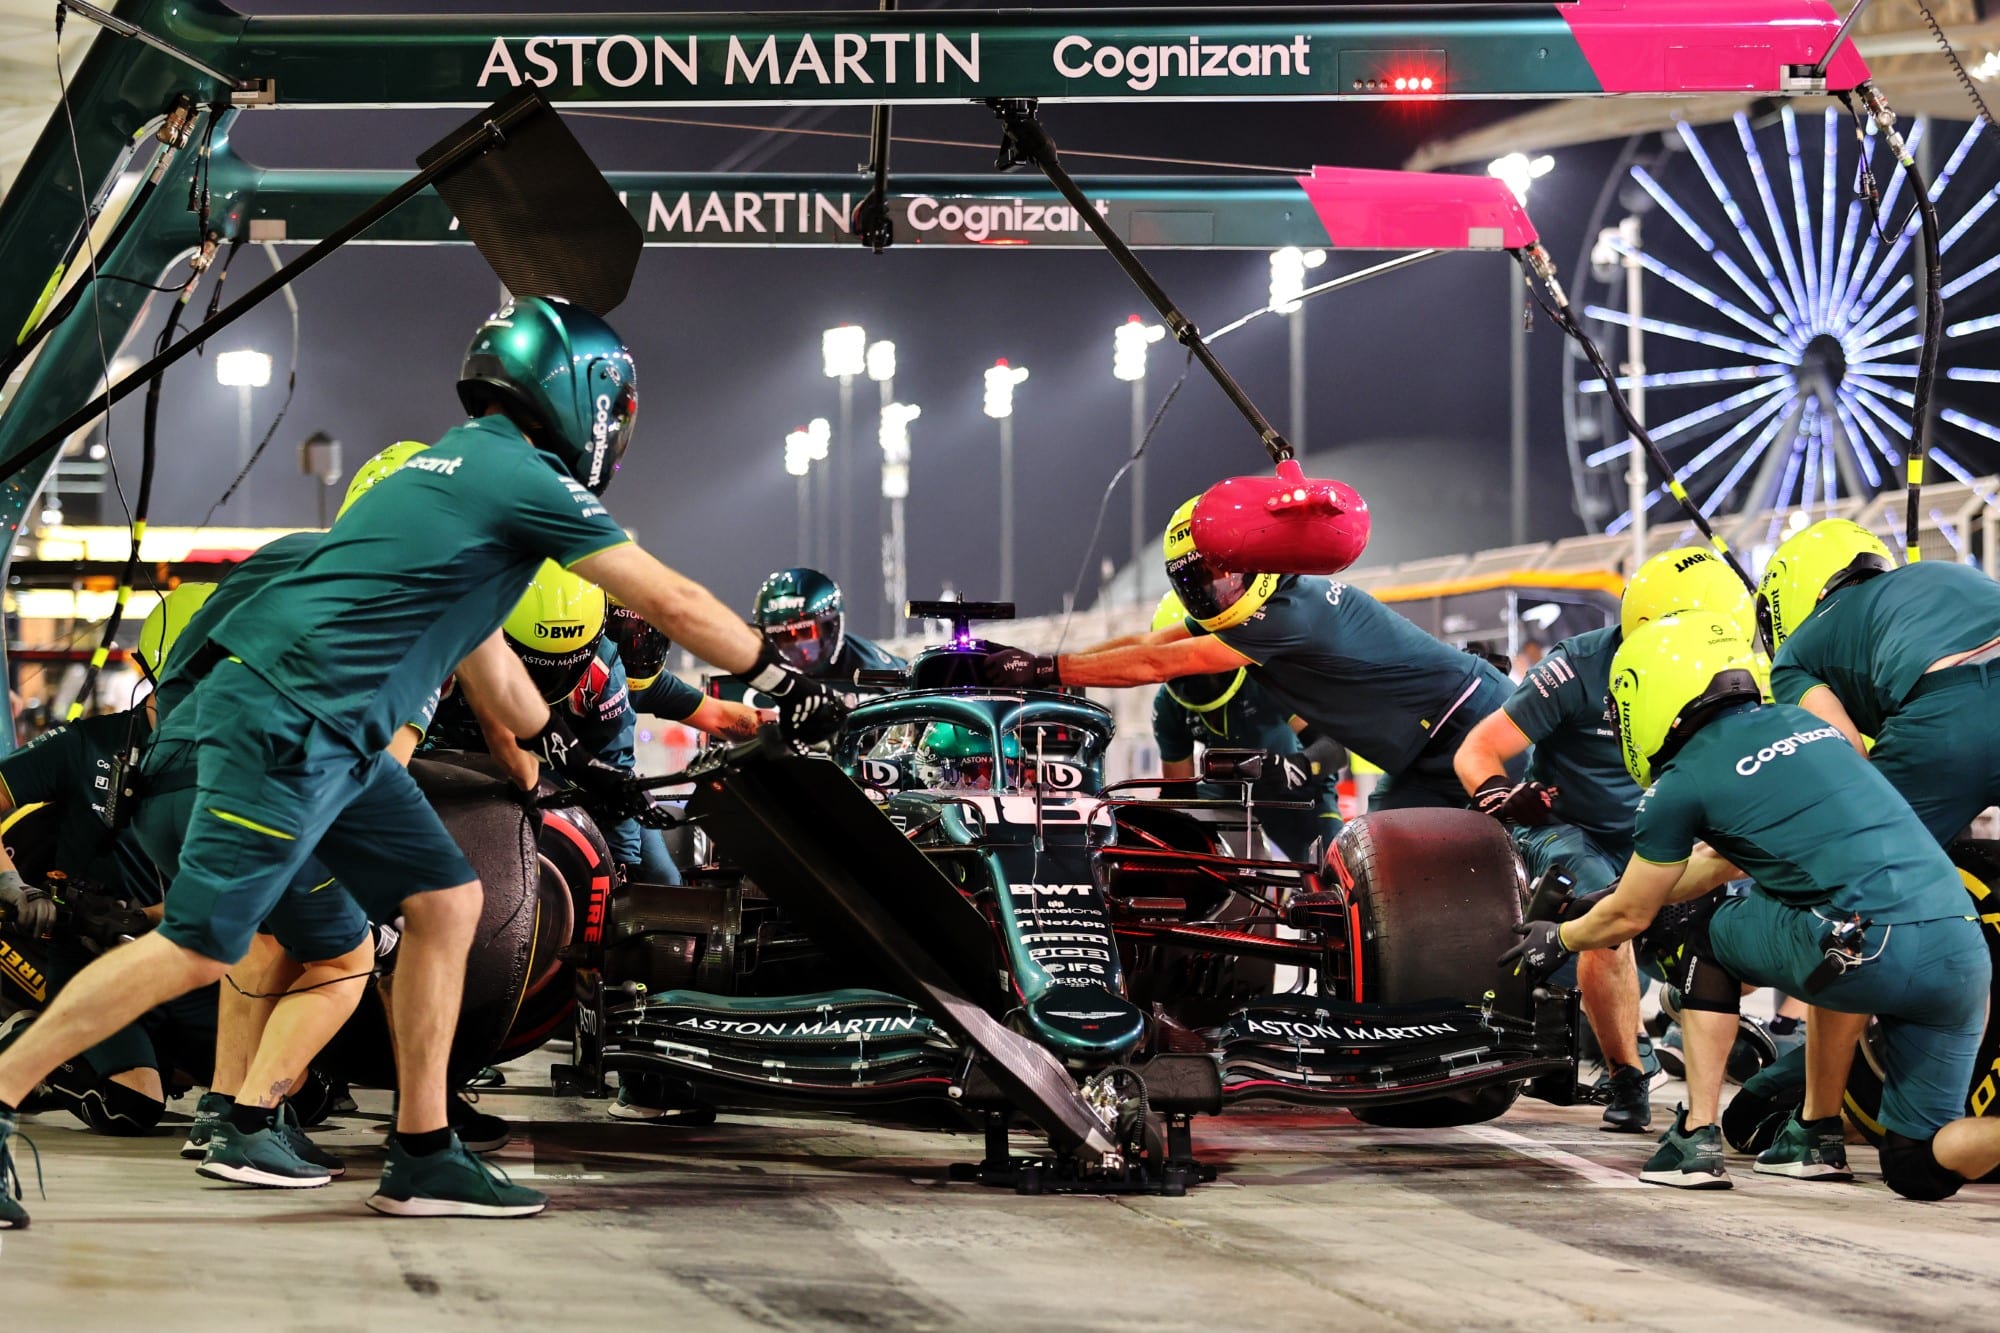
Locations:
column 1780, row 318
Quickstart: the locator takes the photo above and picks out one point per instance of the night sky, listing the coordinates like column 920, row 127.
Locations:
column 1408, row 374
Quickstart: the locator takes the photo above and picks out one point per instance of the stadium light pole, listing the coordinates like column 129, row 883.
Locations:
column 804, row 447
column 244, row 371
column 881, row 364
column 1000, row 381
column 1618, row 248
column 1129, row 342
column 1520, row 172
column 843, row 356
column 895, row 441
column 1288, row 283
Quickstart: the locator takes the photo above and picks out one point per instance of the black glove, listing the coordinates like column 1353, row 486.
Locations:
column 1018, row 669
column 32, row 909
column 605, row 785
column 1293, row 772
column 809, row 713
column 1541, row 950
column 1326, row 754
column 1531, row 804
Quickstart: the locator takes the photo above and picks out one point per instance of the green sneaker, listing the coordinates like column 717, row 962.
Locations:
column 1688, row 1160
column 304, row 1148
column 13, row 1217
column 1807, row 1150
column 211, row 1107
column 265, row 1158
column 449, row 1183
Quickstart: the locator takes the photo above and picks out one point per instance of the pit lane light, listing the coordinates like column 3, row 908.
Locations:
column 807, row 445
column 242, row 369
column 1000, row 381
column 1520, row 171
column 895, row 440
column 1128, row 347
column 1288, row 276
column 881, row 361
column 844, row 351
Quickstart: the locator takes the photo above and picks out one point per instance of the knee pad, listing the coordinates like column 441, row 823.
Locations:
column 105, row 1106
column 1705, row 986
column 1911, row 1168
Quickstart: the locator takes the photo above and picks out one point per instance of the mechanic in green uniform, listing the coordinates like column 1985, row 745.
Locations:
column 1905, row 655
column 1854, row 907
column 119, row 1085
column 1575, row 809
column 324, row 664
column 1231, row 711
column 803, row 613
column 1333, row 655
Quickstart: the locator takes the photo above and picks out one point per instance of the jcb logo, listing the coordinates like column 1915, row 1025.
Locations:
column 562, row 631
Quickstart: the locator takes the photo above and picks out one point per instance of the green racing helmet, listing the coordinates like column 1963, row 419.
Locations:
column 563, row 376
column 801, row 613
column 957, row 758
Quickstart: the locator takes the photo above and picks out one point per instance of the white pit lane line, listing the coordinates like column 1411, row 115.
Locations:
column 1597, row 1175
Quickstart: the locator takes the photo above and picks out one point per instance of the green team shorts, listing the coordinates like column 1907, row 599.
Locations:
column 1928, row 988
column 276, row 788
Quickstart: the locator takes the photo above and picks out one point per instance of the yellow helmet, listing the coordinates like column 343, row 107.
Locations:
column 1204, row 693
column 1809, row 564
column 370, row 474
column 1668, row 676
column 1687, row 578
column 1213, row 599
column 554, row 629
column 164, row 624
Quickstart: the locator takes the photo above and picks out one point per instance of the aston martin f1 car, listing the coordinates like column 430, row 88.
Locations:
column 958, row 909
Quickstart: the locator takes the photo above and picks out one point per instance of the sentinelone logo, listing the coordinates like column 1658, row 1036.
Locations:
column 843, row 59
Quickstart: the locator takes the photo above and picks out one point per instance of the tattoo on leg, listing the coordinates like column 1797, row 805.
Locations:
column 277, row 1093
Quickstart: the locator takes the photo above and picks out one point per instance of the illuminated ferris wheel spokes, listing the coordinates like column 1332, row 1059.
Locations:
column 1796, row 319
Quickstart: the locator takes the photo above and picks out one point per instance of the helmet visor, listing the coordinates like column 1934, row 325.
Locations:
column 1205, row 592
column 806, row 645
column 641, row 648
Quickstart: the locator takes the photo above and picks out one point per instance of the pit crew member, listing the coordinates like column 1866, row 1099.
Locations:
column 325, row 663
column 803, row 613
column 1329, row 652
column 1230, row 710
column 1854, row 907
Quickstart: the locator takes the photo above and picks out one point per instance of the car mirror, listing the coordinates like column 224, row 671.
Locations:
column 1232, row 765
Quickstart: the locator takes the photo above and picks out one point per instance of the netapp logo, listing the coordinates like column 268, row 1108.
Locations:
column 1143, row 66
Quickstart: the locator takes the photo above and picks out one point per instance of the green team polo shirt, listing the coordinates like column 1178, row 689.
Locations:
column 668, row 697
column 1338, row 658
column 415, row 576
column 1562, row 707
column 70, row 768
column 1784, row 796
column 1870, row 643
column 276, row 557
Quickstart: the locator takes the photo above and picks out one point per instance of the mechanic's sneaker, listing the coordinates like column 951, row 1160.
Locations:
column 264, row 1158
column 1787, row 1034
column 1628, row 1107
column 208, row 1109
column 449, row 1183
column 478, row 1131
column 1667, row 1050
column 647, row 1097
column 14, row 1217
column 304, row 1148
column 1649, row 1059
column 1688, row 1160
column 1815, row 1150
column 488, row 1077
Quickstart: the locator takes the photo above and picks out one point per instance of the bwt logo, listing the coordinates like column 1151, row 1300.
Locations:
column 1687, row 562
column 560, row 630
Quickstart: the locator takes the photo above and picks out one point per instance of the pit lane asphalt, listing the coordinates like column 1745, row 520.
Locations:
column 782, row 1222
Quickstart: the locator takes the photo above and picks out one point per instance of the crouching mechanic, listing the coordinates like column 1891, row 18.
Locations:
column 326, row 662
column 1854, row 907
column 1230, row 710
column 1328, row 652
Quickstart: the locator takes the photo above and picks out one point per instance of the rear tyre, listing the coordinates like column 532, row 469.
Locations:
column 1439, row 893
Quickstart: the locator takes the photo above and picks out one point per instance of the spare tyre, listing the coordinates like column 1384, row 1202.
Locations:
column 1978, row 862
column 1439, row 893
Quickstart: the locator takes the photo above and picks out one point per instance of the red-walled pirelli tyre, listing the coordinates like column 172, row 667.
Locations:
column 1978, row 864
column 1439, row 893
